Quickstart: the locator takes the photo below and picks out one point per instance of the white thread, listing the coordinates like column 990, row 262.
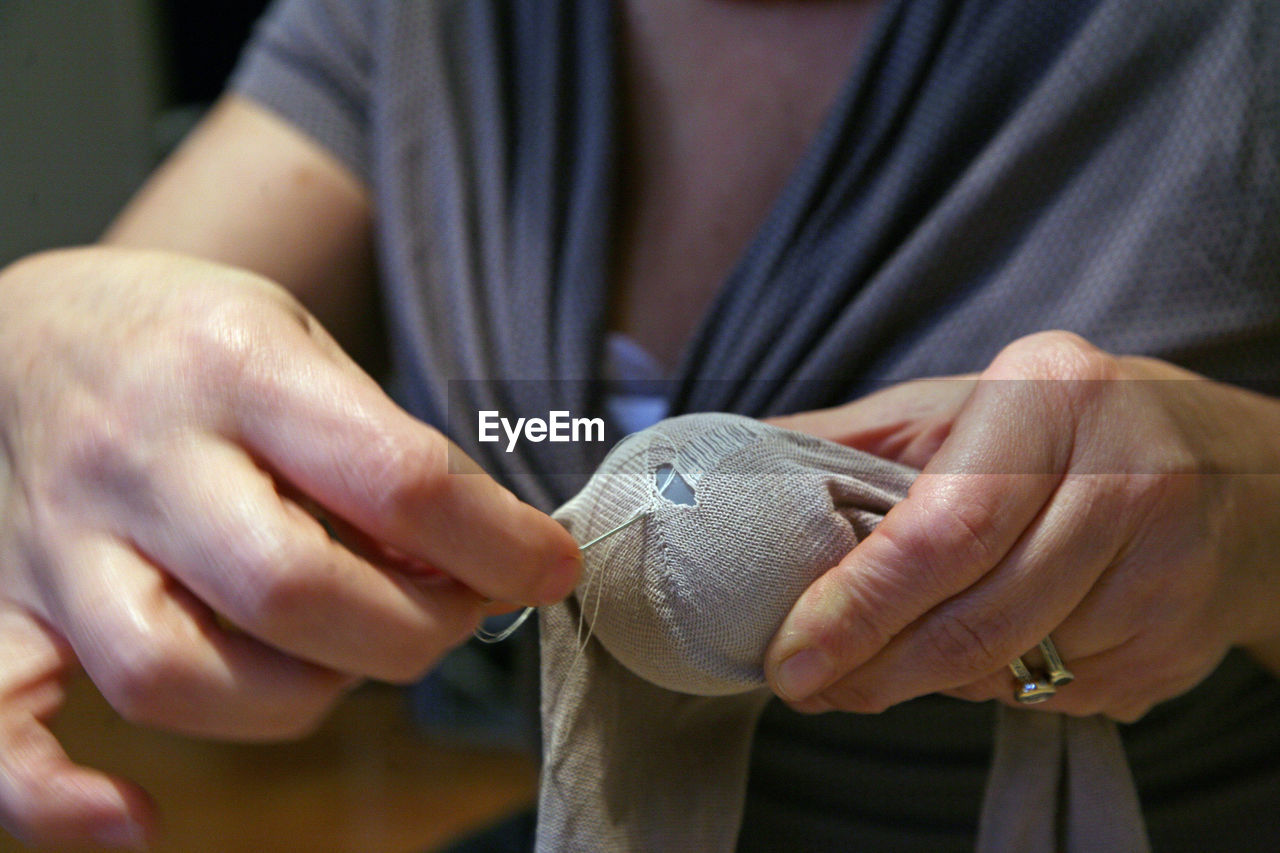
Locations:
column 491, row 637
column 598, row 577
column 485, row 636
column 595, row 581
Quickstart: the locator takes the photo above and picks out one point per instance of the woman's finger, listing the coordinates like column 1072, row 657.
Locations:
column 335, row 436
column 1010, row 447
column 269, row 567
column 906, row 423
column 1122, row 682
column 45, row 798
column 960, row 519
column 160, row 657
column 1031, row 591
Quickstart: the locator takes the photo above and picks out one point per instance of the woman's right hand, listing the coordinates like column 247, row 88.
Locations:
column 171, row 429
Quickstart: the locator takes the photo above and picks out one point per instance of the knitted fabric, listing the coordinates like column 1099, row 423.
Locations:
column 652, row 672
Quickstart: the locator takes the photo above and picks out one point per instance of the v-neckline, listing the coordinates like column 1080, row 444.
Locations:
column 797, row 186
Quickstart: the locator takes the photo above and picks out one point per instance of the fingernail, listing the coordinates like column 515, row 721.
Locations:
column 804, row 673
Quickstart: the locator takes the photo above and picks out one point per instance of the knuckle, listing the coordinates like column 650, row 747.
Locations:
column 98, row 451
column 1054, row 355
column 969, row 645
column 276, row 585
column 1154, row 500
column 266, row 572
column 217, row 334
column 142, row 677
column 958, row 535
column 1064, row 373
column 226, row 344
column 405, row 473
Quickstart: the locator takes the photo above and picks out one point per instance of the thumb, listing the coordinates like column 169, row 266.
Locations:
column 962, row 517
column 46, row 798
column 906, row 423
column 331, row 433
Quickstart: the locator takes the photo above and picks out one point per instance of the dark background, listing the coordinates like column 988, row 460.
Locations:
column 94, row 94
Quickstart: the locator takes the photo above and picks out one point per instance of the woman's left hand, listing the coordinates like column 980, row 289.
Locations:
column 1123, row 505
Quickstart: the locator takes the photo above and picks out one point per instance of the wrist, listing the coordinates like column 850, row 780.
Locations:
column 1229, row 441
column 1242, row 467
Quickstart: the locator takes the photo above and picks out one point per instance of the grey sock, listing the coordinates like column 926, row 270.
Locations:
column 651, row 672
